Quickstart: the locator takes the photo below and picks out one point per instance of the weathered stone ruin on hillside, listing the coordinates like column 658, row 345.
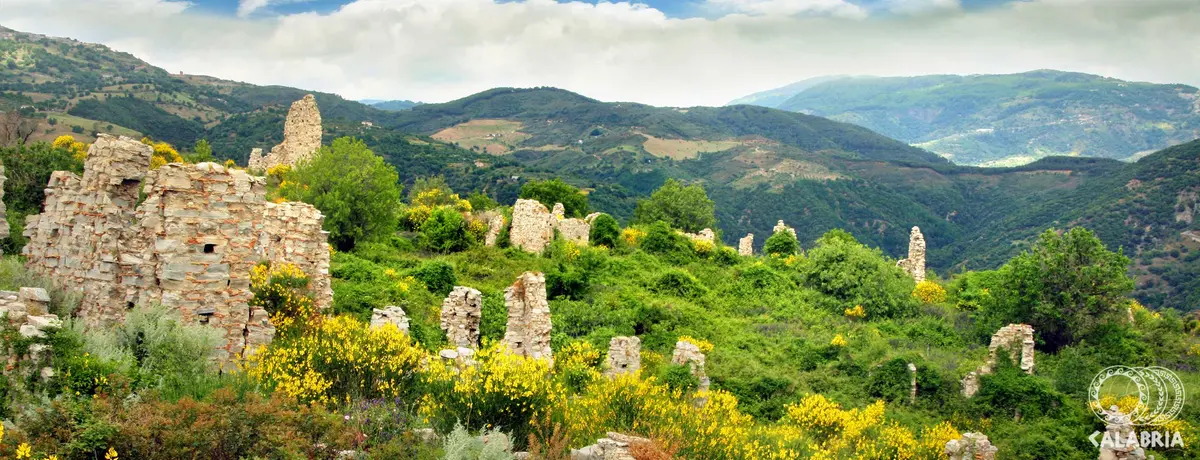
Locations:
column 189, row 245
column 1017, row 339
column 532, row 226
column 3, row 208
column 971, row 446
column 301, row 137
column 495, row 223
column 746, row 245
column 782, row 227
column 389, row 315
column 914, row 265
column 706, row 234
column 615, row 446
column 912, row 392
column 461, row 313
column 689, row 354
column 1119, row 440
column 528, row 332
column 27, row 311
column 624, row 356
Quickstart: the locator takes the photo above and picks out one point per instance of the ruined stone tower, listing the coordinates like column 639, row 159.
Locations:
column 301, row 137
column 528, row 332
column 914, row 265
column 189, row 245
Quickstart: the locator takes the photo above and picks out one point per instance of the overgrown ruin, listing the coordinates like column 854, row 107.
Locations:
column 746, row 245
column 528, row 331
column 624, row 356
column 914, row 265
column 782, row 227
column 1017, row 339
column 389, row 315
column 27, row 311
column 461, row 313
column 688, row 354
column 971, row 446
column 188, row 245
column 301, row 137
column 3, row 208
column 532, row 226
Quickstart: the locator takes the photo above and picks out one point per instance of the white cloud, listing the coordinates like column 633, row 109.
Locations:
column 437, row 50
column 246, row 7
column 790, row 7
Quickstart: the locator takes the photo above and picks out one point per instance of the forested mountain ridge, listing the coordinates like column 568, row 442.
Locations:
column 759, row 165
column 1006, row 119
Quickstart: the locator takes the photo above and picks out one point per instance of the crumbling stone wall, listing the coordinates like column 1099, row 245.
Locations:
column 624, row 356
column 615, row 446
column 528, row 332
column 574, row 230
column 1018, row 340
column 188, row 246
column 461, row 313
column 687, row 353
column 914, row 265
column 782, row 227
column 532, row 226
column 495, row 225
column 746, row 245
column 301, row 136
column 3, row 208
column 27, row 310
column 703, row 235
column 256, row 160
column 389, row 315
column 971, row 446
column 1118, row 432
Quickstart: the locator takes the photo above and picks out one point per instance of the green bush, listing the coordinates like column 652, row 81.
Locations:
column 159, row 351
column 551, row 192
column 438, row 276
column 679, row 377
column 489, row 445
column 683, row 207
column 664, row 242
column 781, row 244
column 605, row 231
column 679, row 283
column 446, row 231
column 354, row 188
column 1009, row 391
column 851, row 274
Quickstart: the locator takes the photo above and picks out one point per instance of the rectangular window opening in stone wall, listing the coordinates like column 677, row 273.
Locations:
column 210, row 248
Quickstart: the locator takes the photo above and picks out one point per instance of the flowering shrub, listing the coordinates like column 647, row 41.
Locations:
column 503, row 390
column 163, row 153
column 704, row 345
column 632, row 236
column 929, row 292
column 858, row 312
column 337, row 358
column 703, row 247
column 838, row 341
column 282, row 290
column 67, row 142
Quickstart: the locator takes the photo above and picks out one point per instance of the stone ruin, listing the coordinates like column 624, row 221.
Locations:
column 461, row 313
column 301, row 137
column 27, row 310
column 615, row 446
column 746, row 245
column 389, row 315
column 1018, row 340
column 782, row 227
column 624, row 356
column 533, row 226
column 1120, row 440
column 687, row 353
column 3, row 209
column 971, row 446
column 703, row 235
column 189, row 245
column 912, row 392
column 495, row 223
column 528, row 332
column 914, row 265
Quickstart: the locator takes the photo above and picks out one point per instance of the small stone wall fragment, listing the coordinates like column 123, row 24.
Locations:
column 461, row 312
column 256, row 160
column 1119, row 441
column 687, row 353
column 495, row 226
column 914, row 265
column 624, row 356
column 746, row 245
column 1017, row 339
column 782, row 227
column 528, row 332
column 3, row 209
column 574, row 230
column 532, row 226
column 971, row 446
column 389, row 315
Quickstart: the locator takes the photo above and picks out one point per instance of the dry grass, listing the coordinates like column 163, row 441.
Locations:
column 495, row 137
column 679, row 149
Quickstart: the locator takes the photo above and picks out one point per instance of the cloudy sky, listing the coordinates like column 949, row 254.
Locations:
column 662, row 52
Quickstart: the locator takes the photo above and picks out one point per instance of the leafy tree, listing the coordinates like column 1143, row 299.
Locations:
column 781, row 243
column 28, row 168
column 433, row 189
column 446, row 231
column 482, row 202
column 683, row 207
column 605, row 231
column 438, row 276
column 853, row 274
column 353, row 187
column 549, row 192
column 201, row 152
column 1066, row 286
column 662, row 241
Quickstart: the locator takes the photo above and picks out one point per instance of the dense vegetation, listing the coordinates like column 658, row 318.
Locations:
column 981, row 119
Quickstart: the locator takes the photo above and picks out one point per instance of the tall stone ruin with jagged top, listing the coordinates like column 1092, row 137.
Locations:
column 914, row 265
column 301, row 137
column 189, row 243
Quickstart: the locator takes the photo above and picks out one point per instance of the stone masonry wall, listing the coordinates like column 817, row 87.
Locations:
column 3, row 209
column 461, row 314
column 1017, row 339
column 528, row 332
column 301, row 136
column 624, row 356
column 746, row 245
column 914, row 265
column 188, row 246
column 532, row 226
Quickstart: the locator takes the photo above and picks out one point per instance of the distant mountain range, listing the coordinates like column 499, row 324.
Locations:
column 998, row 120
column 382, row 104
column 758, row 164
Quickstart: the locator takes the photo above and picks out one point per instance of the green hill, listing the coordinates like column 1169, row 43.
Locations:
column 1008, row 119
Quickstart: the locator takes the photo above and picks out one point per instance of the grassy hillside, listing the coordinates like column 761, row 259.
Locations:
column 1010, row 119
